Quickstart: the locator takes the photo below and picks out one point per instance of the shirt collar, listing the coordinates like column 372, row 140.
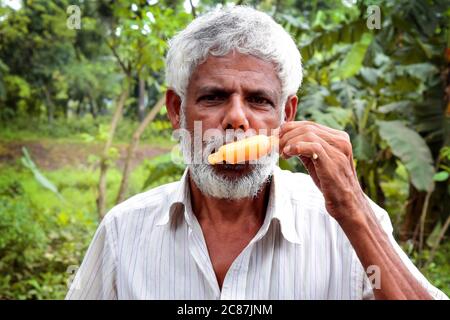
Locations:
column 279, row 206
column 176, row 199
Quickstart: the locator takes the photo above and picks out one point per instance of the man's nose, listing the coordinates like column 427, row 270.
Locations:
column 235, row 115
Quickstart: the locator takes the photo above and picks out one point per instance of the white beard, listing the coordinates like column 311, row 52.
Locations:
column 218, row 186
column 246, row 186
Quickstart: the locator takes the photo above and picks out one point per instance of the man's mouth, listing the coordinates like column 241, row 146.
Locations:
column 232, row 167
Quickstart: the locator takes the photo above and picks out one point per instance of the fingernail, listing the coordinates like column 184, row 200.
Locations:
column 287, row 149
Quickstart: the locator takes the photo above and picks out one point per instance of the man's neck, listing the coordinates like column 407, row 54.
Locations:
column 223, row 213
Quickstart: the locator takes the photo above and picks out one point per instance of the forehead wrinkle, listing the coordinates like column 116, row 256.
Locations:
column 220, row 83
column 246, row 66
column 220, row 87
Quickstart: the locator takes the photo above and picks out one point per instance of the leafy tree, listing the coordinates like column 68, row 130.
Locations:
column 382, row 86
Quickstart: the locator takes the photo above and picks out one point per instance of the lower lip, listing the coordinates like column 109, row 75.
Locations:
column 232, row 167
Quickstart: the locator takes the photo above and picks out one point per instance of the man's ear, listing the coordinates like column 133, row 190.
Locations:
column 173, row 105
column 290, row 108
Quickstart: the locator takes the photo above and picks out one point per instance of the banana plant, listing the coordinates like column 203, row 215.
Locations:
column 384, row 87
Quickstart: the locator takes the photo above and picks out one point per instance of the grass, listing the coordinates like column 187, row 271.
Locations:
column 438, row 272
column 41, row 235
column 45, row 234
column 157, row 134
column 78, row 186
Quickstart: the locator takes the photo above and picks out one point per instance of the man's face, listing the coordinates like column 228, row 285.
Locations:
column 236, row 91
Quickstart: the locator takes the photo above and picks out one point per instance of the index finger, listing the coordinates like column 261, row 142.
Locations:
column 287, row 126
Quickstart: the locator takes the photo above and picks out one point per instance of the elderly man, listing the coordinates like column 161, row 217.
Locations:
column 250, row 230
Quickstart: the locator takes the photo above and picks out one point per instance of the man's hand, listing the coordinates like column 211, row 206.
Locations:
column 334, row 173
column 327, row 155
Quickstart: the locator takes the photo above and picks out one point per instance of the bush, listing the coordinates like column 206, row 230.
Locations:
column 438, row 271
column 36, row 248
column 40, row 237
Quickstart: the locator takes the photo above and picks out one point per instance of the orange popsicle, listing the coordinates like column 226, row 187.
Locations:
column 248, row 149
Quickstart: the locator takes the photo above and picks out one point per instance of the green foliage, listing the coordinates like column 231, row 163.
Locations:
column 443, row 175
column 384, row 87
column 388, row 87
column 41, row 236
column 396, row 190
column 412, row 151
column 352, row 62
column 85, row 129
column 140, row 36
column 164, row 169
column 43, row 181
column 48, row 69
column 438, row 271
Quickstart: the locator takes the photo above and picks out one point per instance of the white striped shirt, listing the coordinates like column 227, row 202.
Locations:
column 152, row 247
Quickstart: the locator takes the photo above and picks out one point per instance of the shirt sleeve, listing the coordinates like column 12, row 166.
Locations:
column 96, row 277
column 386, row 224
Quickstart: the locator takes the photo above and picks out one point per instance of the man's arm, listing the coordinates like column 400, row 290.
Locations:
column 327, row 155
column 383, row 219
column 375, row 249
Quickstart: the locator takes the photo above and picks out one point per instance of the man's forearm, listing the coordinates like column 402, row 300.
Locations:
column 373, row 248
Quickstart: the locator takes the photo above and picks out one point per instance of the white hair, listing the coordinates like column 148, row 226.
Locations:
column 239, row 28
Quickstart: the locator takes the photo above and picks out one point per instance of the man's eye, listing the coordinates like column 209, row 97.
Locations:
column 212, row 98
column 259, row 100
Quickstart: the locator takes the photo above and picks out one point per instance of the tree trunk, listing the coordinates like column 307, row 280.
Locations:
column 381, row 199
column 78, row 110
column 141, row 103
column 438, row 241
column 413, row 212
column 50, row 105
column 101, row 200
column 93, row 105
column 132, row 147
column 194, row 13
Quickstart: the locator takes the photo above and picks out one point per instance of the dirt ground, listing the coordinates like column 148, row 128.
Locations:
column 52, row 155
